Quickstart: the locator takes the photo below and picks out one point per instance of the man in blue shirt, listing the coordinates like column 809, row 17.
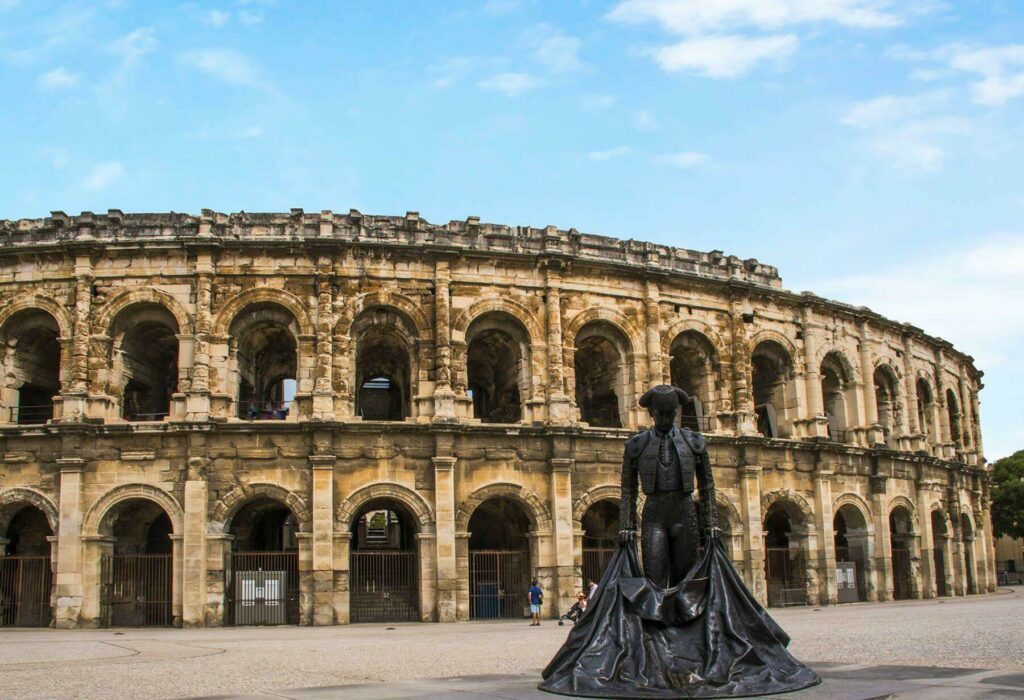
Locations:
column 536, row 597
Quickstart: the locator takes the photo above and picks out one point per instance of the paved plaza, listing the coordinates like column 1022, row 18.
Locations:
column 954, row 647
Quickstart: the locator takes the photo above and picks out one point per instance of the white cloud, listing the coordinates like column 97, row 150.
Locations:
column 1000, row 69
column 643, row 119
column 700, row 16
column 684, row 160
column 215, row 18
column 134, row 45
column 227, row 65
column 511, row 84
column 57, row 79
column 102, row 175
column 616, row 152
column 555, row 50
column 724, row 56
column 887, row 109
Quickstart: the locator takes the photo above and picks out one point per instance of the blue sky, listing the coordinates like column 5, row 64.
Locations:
column 871, row 150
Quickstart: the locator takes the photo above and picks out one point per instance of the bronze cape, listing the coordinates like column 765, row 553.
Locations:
column 705, row 638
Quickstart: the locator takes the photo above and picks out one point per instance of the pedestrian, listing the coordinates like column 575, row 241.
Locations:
column 536, row 596
column 591, row 589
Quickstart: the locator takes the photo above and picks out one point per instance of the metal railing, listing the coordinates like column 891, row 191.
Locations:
column 901, row 577
column 784, row 572
column 498, row 582
column 140, row 417
column 595, row 561
column 263, row 410
column 25, row 585
column 383, row 587
column 842, row 436
column 136, row 590
column 31, row 415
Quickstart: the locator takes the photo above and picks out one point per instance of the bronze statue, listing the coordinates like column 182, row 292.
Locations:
column 681, row 627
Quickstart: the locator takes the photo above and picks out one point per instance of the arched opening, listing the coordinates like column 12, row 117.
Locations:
column 26, row 575
column 136, row 571
column 601, row 374
column 497, row 367
column 887, row 401
column 851, row 542
column 837, row 396
column 384, row 351
column 692, row 368
column 939, row 533
column 600, row 534
column 771, row 379
column 901, row 536
column 953, row 415
column 925, row 408
column 146, row 355
column 263, row 571
column 785, row 535
column 265, row 348
column 499, row 560
column 384, row 565
column 32, row 366
column 967, row 533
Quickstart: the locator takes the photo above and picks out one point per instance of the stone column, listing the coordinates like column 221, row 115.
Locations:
column 444, row 395
column 967, row 434
column 342, row 559
column 194, row 583
column 567, row 574
column 753, row 540
column 741, row 396
column 75, row 400
column 560, row 408
column 924, row 518
column 177, row 579
column 197, row 402
column 814, row 412
column 323, row 390
column 323, row 538
column 218, row 547
column 305, row 540
column 914, row 439
column 444, row 514
column 652, row 317
column 68, row 584
column 884, row 584
column 874, row 435
column 826, row 554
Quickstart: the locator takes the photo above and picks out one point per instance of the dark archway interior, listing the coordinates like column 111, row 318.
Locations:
column 149, row 351
column 140, row 526
column 901, row 525
column 771, row 368
column 887, row 403
column 924, row 407
column 777, row 528
column 499, row 523
column 601, row 524
column 690, row 367
column 953, row 414
column 494, row 364
column 267, row 358
column 32, row 336
column 383, row 525
column 598, row 365
column 839, row 528
column 264, row 525
column 834, row 381
column 27, row 532
column 382, row 373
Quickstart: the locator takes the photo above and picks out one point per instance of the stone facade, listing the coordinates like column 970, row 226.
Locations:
column 328, row 364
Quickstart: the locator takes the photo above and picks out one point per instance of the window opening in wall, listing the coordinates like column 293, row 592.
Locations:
column 771, row 373
column 953, row 415
column 146, row 338
column 495, row 367
column 691, row 367
column 835, row 383
column 32, row 366
column 600, row 381
column 925, row 407
column 383, row 366
column 267, row 361
column 886, row 400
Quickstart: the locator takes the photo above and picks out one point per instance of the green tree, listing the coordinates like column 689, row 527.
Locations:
column 1008, row 496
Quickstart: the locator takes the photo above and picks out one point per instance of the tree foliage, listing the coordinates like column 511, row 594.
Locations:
column 1008, row 496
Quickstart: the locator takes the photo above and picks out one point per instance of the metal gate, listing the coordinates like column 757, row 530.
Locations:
column 595, row 561
column 853, row 587
column 969, row 564
column 901, row 574
column 136, row 590
column 383, row 587
column 498, row 582
column 940, row 573
column 262, row 588
column 784, row 571
column 25, row 585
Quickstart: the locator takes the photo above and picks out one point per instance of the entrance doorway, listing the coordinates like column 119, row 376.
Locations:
column 784, row 560
column 262, row 572
column 136, row 575
column 499, row 560
column 26, row 577
column 851, row 541
column 384, row 580
column 938, row 553
column 901, row 533
column 600, row 534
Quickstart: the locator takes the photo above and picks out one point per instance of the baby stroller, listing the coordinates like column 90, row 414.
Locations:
column 575, row 611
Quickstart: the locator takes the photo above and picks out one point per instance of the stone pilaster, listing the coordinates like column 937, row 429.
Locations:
column 826, row 554
column 814, row 420
column 560, row 408
column 197, row 402
column 68, row 584
column 652, row 318
column 323, row 538
column 567, row 577
column 74, row 403
column 883, row 539
column 753, row 540
column 744, row 419
column 875, row 436
column 444, row 394
column 323, row 394
column 927, row 586
column 194, row 584
column 444, row 517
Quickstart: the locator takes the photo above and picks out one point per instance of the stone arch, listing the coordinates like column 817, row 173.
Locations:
column 39, row 302
column 420, row 509
column 947, row 522
column 92, row 524
column 793, row 502
column 604, row 492
column 714, row 339
column 852, row 499
column 767, row 334
column 11, row 499
column 722, row 502
column 517, row 310
column 850, row 369
column 263, row 295
column 904, row 502
column 535, row 509
column 611, row 316
column 413, row 311
column 146, row 295
column 232, row 502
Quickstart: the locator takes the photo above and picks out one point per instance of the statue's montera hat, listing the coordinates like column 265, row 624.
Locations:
column 663, row 398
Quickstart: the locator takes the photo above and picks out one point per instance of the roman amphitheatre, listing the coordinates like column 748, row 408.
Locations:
column 324, row 418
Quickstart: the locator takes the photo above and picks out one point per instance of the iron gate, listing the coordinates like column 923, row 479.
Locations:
column 940, row 573
column 383, row 587
column 784, row 571
column 262, row 588
column 136, row 590
column 25, row 584
column 498, row 582
column 901, row 574
column 595, row 561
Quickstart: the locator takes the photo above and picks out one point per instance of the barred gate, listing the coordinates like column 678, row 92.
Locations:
column 499, row 580
column 136, row 590
column 784, row 571
column 25, row 585
column 940, row 572
column 595, row 561
column 262, row 588
column 901, row 574
column 383, row 587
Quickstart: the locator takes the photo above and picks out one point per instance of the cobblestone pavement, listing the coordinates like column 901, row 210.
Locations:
column 846, row 642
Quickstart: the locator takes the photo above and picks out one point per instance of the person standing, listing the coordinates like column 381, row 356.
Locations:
column 591, row 590
column 536, row 596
